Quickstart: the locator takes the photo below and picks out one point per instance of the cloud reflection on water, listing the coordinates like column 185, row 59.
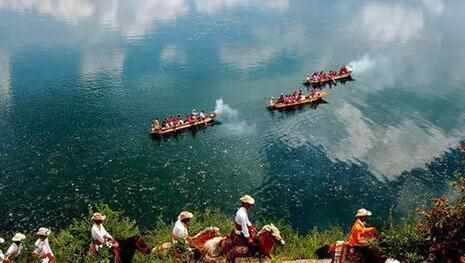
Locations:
column 131, row 18
column 70, row 10
column 388, row 23
column 94, row 62
column 214, row 6
column 267, row 43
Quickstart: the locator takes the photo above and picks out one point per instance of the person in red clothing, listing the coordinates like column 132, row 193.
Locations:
column 361, row 235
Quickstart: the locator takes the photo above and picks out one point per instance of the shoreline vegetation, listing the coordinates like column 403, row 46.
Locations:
column 436, row 234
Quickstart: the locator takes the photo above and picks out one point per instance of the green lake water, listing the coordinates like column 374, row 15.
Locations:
column 80, row 81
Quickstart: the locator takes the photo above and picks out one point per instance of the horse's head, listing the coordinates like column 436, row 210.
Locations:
column 268, row 236
column 140, row 245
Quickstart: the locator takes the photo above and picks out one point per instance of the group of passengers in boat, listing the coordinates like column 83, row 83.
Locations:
column 330, row 75
column 177, row 121
column 296, row 96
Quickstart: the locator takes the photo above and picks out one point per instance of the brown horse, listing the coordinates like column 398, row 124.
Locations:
column 129, row 246
column 196, row 242
column 340, row 252
column 266, row 239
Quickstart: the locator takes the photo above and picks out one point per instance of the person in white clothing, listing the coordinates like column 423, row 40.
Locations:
column 244, row 232
column 42, row 246
column 101, row 237
column 15, row 248
column 180, row 235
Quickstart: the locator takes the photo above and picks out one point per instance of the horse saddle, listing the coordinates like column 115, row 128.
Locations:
column 241, row 250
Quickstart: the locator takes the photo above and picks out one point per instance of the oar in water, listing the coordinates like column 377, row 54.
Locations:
column 334, row 81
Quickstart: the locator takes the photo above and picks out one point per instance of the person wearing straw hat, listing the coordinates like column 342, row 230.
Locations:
column 361, row 234
column 101, row 237
column 244, row 232
column 180, row 236
column 15, row 248
column 42, row 246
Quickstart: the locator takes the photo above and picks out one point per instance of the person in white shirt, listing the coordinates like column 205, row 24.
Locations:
column 101, row 237
column 202, row 115
column 42, row 246
column 244, row 232
column 15, row 248
column 180, row 236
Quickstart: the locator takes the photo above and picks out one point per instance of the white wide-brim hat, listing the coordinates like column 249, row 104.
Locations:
column 43, row 231
column 18, row 237
column 98, row 217
column 363, row 212
column 247, row 199
column 185, row 215
column 2, row 240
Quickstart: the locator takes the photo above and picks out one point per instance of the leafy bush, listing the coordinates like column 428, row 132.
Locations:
column 444, row 227
column 403, row 242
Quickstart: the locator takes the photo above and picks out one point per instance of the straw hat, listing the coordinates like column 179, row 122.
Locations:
column 18, row 237
column 363, row 212
column 43, row 231
column 247, row 199
column 2, row 240
column 185, row 215
column 98, row 217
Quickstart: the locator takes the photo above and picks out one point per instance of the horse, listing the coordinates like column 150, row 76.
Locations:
column 128, row 247
column 340, row 252
column 196, row 242
column 266, row 239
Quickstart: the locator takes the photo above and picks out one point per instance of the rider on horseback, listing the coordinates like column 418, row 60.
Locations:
column 244, row 232
column 14, row 251
column 42, row 247
column 360, row 235
column 101, row 237
column 180, row 236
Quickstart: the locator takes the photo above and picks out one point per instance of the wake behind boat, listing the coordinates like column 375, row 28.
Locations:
column 296, row 99
column 321, row 78
column 173, row 125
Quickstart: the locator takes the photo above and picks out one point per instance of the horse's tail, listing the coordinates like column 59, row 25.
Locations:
column 163, row 250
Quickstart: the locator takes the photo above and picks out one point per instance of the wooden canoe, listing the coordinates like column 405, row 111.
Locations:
column 324, row 81
column 308, row 100
column 168, row 131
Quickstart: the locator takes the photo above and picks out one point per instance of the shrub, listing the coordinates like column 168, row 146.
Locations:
column 444, row 226
column 403, row 242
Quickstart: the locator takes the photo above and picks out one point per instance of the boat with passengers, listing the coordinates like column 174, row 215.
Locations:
column 297, row 98
column 172, row 125
column 321, row 78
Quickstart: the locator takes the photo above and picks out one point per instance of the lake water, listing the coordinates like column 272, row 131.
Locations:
column 80, row 81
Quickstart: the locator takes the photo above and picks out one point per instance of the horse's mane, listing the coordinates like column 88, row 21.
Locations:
column 208, row 229
column 271, row 229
